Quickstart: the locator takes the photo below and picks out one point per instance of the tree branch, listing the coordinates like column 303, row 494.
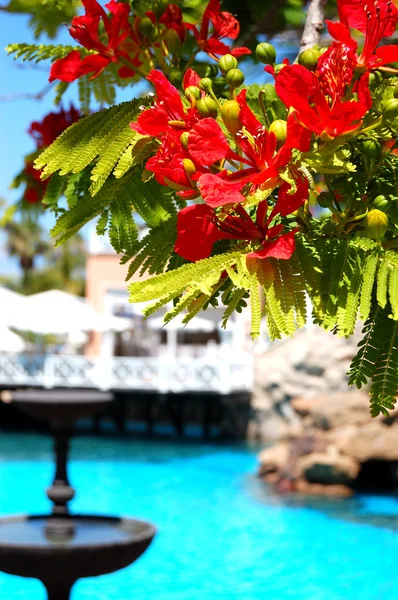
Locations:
column 27, row 96
column 313, row 24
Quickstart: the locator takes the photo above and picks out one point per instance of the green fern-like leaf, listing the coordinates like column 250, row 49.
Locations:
column 384, row 388
column 234, row 301
column 201, row 275
column 371, row 346
column 393, row 293
column 88, row 138
column 123, row 232
column 255, row 304
column 54, row 191
column 40, row 52
column 368, row 281
column 382, row 283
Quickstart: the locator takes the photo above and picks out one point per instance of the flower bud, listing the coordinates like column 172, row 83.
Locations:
column 206, row 84
column 390, row 112
column 381, row 202
column 189, row 167
column 192, row 91
column 266, row 53
column 219, row 84
column 375, row 79
column 207, row 107
column 278, row 68
column 210, row 71
column 159, row 6
column 230, row 114
column 309, row 58
column 235, row 78
column 227, row 62
column 173, row 41
column 146, row 26
column 372, row 148
column 376, row 224
column 325, row 200
column 184, row 137
column 175, row 77
column 279, row 128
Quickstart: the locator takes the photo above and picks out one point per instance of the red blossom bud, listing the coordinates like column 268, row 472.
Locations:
column 235, row 78
column 279, row 128
column 173, row 41
column 376, row 224
column 230, row 114
column 390, row 112
column 189, row 167
column 184, row 139
column 192, row 91
column 372, row 148
column 207, row 107
column 309, row 58
column 381, row 202
column 227, row 62
column 266, row 53
column 146, row 26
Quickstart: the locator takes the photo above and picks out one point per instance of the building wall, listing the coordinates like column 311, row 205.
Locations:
column 103, row 273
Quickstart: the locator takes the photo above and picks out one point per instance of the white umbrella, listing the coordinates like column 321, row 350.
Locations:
column 10, row 341
column 12, row 305
column 60, row 313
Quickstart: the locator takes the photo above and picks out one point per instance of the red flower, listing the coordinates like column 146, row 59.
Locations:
column 53, row 124
column 199, row 227
column 85, row 30
column 307, row 93
column 197, row 232
column 172, row 19
column 376, row 19
column 168, row 110
column 173, row 167
column 44, row 133
column 224, row 25
column 263, row 162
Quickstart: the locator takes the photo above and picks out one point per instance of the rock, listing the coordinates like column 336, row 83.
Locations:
column 335, row 410
column 373, row 441
column 317, row 489
column 274, row 459
column 328, row 468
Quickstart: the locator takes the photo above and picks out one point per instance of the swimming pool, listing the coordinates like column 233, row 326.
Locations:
column 222, row 534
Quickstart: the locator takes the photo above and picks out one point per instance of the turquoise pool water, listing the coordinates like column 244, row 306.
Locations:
column 222, row 535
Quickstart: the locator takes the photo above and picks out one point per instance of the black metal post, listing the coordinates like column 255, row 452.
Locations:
column 59, row 590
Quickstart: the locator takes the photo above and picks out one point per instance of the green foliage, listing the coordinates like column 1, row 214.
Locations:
column 40, row 52
column 376, row 361
column 46, row 15
column 104, row 136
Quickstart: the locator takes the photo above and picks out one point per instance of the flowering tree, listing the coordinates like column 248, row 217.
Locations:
column 262, row 192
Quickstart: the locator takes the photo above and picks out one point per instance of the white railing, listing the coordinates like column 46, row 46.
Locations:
column 161, row 374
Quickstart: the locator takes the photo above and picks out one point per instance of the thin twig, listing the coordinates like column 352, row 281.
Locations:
column 28, row 96
column 313, row 24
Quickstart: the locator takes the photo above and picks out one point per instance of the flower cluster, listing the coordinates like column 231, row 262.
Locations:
column 43, row 133
column 249, row 168
column 134, row 44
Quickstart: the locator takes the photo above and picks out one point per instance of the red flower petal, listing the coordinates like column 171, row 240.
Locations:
column 288, row 203
column 207, row 142
column 196, row 232
column 240, row 51
column 190, row 78
column 246, row 116
column 297, row 136
column 72, row 66
column 387, row 54
column 282, row 248
column 153, row 121
column 341, row 33
column 218, row 192
column 166, row 92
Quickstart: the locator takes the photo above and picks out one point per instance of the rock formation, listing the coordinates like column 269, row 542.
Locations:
column 326, row 441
